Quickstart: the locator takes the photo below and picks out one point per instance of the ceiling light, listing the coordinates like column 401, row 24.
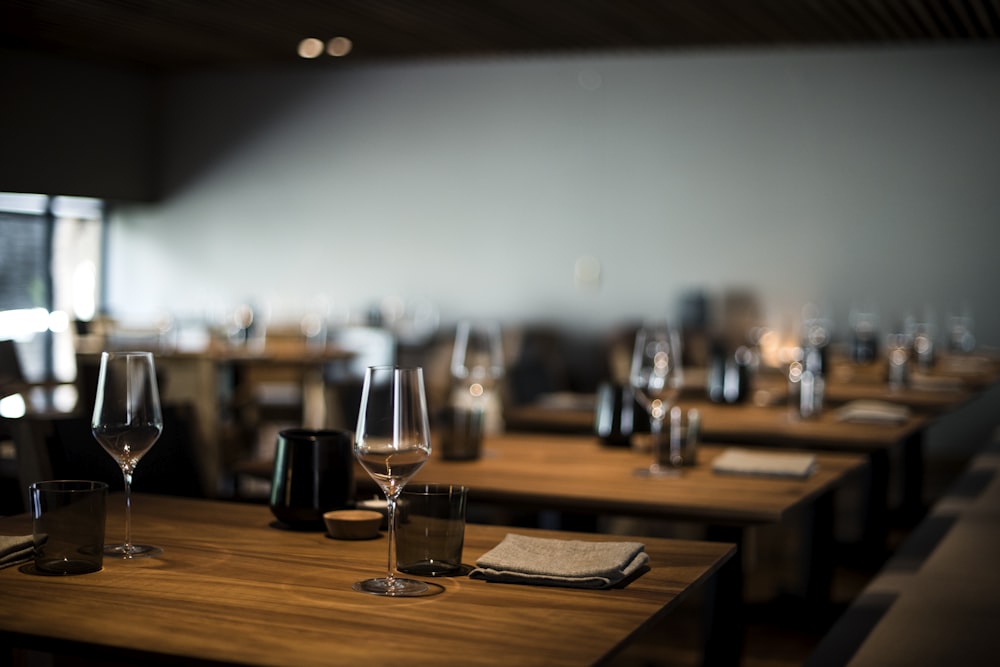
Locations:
column 310, row 47
column 339, row 46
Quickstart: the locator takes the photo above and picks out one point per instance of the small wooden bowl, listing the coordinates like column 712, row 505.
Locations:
column 352, row 524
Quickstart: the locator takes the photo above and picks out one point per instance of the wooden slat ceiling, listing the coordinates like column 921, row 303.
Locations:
column 171, row 35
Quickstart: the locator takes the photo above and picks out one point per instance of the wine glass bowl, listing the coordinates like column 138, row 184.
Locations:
column 477, row 361
column 656, row 378
column 127, row 422
column 392, row 443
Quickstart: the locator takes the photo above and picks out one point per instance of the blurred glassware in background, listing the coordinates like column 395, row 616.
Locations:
column 864, row 323
column 685, row 430
column 899, row 347
column 695, row 320
column 807, row 370
column 314, row 330
column 817, row 330
column 806, row 385
column 243, row 326
column 657, row 377
column 614, row 414
column 477, row 358
column 477, row 368
column 960, row 333
column 417, row 323
column 922, row 333
column 314, row 322
column 729, row 374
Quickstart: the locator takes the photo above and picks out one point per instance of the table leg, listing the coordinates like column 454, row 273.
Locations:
column 876, row 521
column 818, row 557
column 913, row 479
column 724, row 620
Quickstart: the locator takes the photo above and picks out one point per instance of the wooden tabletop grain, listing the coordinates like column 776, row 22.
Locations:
column 232, row 588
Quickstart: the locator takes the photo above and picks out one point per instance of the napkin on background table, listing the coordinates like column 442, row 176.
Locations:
column 16, row 549
column 520, row 559
column 773, row 464
column 873, row 412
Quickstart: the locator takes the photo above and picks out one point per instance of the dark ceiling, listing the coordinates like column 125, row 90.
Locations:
column 171, row 35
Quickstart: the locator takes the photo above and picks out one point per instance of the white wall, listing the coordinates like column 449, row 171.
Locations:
column 840, row 176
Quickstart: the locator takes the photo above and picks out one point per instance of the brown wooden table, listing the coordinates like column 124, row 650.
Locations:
column 971, row 372
column 224, row 380
column 848, row 382
column 777, row 426
column 930, row 399
column 230, row 588
column 577, row 474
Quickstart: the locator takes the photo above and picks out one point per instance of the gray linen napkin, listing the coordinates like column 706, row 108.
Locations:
column 16, row 549
column 520, row 559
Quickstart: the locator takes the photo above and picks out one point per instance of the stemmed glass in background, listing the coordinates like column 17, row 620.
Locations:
column 477, row 362
column 656, row 378
column 392, row 442
column 477, row 368
column 127, row 421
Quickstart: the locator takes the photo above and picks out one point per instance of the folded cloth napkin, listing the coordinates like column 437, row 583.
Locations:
column 773, row 464
column 520, row 559
column 873, row 412
column 16, row 549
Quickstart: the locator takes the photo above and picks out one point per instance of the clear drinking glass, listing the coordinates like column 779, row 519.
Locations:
column 392, row 443
column 656, row 377
column 127, row 421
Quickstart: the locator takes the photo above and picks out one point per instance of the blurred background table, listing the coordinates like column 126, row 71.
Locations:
column 232, row 392
column 576, row 474
column 775, row 425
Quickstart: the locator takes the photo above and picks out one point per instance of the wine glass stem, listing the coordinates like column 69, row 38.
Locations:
column 391, row 520
column 656, row 430
column 127, row 546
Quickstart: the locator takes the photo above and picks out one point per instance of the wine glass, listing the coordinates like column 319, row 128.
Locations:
column 477, row 362
column 392, row 442
column 656, row 378
column 127, row 422
column 477, row 368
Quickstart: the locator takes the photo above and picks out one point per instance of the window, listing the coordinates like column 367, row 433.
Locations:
column 50, row 258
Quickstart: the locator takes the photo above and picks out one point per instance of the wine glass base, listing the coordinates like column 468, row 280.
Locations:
column 133, row 551
column 656, row 470
column 396, row 587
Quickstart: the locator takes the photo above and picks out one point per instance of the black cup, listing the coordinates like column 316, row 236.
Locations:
column 729, row 375
column 313, row 474
column 617, row 415
column 461, row 436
